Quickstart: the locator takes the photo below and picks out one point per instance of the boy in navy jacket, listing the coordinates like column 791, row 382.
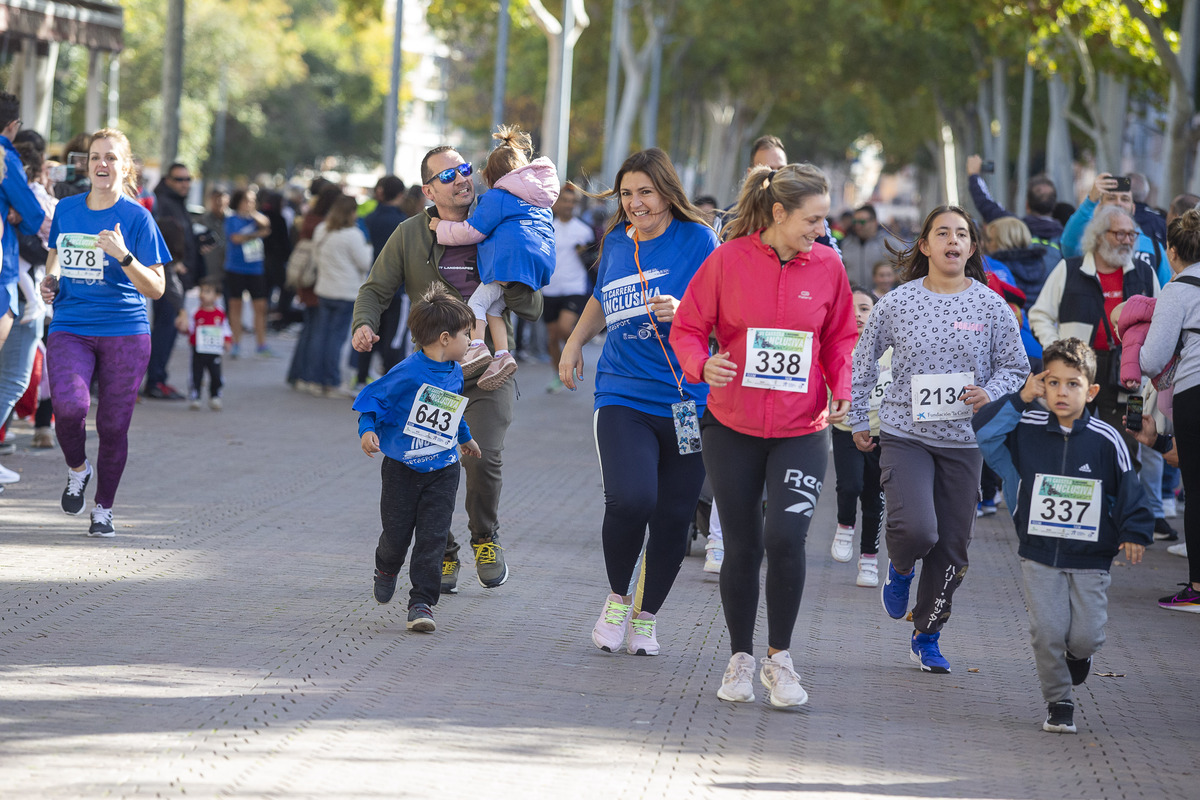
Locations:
column 414, row 415
column 1078, row 502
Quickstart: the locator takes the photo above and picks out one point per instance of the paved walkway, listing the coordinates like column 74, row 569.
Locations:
column 225, row 644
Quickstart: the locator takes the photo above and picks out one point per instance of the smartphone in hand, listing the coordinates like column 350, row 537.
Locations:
column 1123, row 183
column 1133, row 412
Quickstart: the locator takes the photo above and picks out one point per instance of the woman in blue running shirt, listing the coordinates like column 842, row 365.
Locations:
column 245, row 230
column 654, row 244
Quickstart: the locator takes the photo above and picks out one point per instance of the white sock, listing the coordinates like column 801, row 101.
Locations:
column 501, row 353
column 477, row 343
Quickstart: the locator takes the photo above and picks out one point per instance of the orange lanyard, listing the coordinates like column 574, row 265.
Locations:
column 637, row 262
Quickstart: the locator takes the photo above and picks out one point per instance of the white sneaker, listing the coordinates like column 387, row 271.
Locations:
column 8, row 476
column 642, row 640
column 1178, row 549
column 194, row 404
column 868, row 571
column 737, row 686
column 609, row 632
column 843, row 543
column 1170, row 507
column 713, row 558
column 781, row 681
column 214, row 403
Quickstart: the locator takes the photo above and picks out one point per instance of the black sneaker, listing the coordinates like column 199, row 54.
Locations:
column 420, row 618
column 1060, row 717
column 1079, row 669
column 163, row 391
column 72, row 496
column 1163, row 531
column 450, row 576
column 102, row 525
column 385, row 586
column 7, row 448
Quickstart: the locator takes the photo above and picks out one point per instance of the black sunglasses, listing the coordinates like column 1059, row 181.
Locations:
column 447, row 175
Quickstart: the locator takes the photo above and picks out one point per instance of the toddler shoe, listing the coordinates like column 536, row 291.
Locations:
column 476, row 360
column 499, row 371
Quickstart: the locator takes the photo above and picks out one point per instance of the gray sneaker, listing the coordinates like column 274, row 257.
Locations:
column 450, row 576
column 420, row 618
column 489, row 563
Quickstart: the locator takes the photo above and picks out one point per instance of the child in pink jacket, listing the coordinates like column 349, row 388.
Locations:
column 514, row 228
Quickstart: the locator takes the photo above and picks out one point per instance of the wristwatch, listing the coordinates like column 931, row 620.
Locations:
column 127, row 260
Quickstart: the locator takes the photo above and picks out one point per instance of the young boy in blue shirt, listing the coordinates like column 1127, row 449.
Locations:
column 414, row 415
column 1078, row 502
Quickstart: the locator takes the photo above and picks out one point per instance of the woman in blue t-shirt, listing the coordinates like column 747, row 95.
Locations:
column 245, row 230
column 106, row 257
column 645, row 411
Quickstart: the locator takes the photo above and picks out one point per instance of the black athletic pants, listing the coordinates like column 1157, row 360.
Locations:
column 792, row 470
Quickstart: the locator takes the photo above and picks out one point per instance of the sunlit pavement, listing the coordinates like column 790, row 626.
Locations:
column 226, row 644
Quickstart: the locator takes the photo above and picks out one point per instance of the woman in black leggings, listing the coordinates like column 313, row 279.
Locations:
column 781, row 308
column 654, row 244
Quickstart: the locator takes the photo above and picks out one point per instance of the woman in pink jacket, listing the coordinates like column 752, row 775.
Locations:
column 781, row 309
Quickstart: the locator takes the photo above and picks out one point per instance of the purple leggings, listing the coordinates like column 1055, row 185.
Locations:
column 119, row 364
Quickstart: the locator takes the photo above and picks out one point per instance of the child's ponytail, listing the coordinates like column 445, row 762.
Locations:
column 513, row 151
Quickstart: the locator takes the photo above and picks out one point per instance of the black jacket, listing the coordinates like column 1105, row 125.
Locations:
column 168, row 205
column 1020, row 440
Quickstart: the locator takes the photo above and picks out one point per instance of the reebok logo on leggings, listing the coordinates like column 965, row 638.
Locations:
column 800, row 482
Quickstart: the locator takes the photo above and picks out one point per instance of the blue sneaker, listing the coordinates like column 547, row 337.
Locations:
column 895, row 592
column 926, row 653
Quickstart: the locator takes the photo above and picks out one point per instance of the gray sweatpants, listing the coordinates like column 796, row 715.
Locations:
column 931, row 494
column 1067, row 613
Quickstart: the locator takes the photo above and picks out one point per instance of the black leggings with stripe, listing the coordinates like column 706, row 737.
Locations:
column 647, row 485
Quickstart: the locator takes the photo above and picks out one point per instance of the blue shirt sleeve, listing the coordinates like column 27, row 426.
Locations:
column 992, row 425
column 22, row 198
column 489, row 211
column 1072, row 236
column 366, row 422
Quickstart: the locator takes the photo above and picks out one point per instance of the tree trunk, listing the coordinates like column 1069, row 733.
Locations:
column 172, row 81
column 999, row 132
column 650, row 112
column 1112, row 107
column 557, row 109
column 1181, row 130
column 1058, row 141
column 1023, row 158
column 720, row 175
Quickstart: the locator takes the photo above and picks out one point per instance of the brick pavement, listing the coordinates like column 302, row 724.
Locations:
column 225, row 644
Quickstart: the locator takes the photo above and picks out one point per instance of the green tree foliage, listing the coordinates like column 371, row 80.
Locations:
column 251, row 45
column 304, row 80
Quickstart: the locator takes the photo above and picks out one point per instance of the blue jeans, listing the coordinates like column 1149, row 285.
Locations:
column 302, row 355
column 162, row 340
column 16, row 363
column 1150, row 476
column 330, row 333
